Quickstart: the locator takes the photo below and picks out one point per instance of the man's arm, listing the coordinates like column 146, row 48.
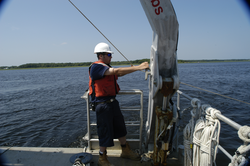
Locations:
column 126, row 70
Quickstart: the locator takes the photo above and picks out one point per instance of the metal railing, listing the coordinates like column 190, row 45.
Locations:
column 218, row 115
column 94, row 138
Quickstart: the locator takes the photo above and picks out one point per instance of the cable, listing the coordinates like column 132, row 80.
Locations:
column 216, row 93
column 101, row 33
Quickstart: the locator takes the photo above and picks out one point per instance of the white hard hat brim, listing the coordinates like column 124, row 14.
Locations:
column 105, row 51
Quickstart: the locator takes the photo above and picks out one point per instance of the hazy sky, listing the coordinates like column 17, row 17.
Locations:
column 46, row 31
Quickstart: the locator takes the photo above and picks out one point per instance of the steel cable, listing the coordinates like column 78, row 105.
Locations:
column 101, row 33
column 216, row 93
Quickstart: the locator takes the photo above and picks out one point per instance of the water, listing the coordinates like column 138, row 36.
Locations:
column 42, row 107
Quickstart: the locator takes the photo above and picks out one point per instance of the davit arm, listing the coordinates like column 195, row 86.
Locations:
column 163, row 78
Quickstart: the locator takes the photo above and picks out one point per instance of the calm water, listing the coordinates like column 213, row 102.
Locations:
column 42, row 107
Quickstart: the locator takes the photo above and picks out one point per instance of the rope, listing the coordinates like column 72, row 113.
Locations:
column 185, row 109
column 147, row 156
column 188, row 144
column 243, row 133
column 206, row 138
column 188, row 133
column 216, row 93
column 199, row 127
column 100, row 32
column 203, row 140
column 239, row 157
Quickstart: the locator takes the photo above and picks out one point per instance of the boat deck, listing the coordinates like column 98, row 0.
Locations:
column 41, row 156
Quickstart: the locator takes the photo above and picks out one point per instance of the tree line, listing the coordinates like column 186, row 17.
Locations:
column 114, row 63
column 79, row 64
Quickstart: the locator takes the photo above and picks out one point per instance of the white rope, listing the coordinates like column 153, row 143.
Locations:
column 147, row 156
column 201, row 142
column 188, row 143
column 206, row 138
column 239, row 159
column 199, row 127
column 243, row 133
column 188, row 133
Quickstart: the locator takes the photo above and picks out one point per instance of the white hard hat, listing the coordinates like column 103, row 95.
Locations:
column 102, row 47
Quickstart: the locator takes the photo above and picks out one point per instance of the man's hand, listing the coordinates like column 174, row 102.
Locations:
column 144, row 65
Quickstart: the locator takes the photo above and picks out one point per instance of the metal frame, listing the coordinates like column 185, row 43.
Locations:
column 128, row 123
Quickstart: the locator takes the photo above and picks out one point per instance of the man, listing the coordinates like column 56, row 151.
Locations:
column 103, row 88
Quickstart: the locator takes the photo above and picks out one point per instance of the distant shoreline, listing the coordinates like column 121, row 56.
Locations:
column 115, row 63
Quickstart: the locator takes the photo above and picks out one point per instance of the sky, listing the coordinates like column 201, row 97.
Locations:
column 53, row 31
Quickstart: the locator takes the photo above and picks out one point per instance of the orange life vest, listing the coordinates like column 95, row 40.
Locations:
column 106, row 86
